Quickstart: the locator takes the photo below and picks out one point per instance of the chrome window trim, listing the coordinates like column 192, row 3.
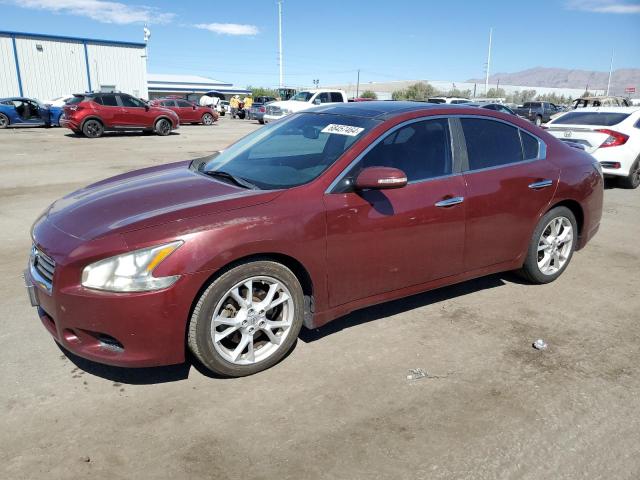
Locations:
column 542, row 149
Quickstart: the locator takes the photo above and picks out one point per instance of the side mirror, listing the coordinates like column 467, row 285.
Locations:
column 379, row 178
column 146, row 107
column 194, row 107
column 310, row 132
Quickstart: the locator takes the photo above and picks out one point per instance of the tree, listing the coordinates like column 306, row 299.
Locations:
column 496, row 93
column 262, row 91
column 455, row 92
column 418, row 91
column 369, row 94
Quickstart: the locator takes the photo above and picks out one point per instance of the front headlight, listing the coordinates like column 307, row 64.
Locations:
column 130, row 272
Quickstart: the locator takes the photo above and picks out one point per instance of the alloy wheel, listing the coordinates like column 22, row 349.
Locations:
column 252, row 320
column 554, row 246
column 207, row 119
column 4, row 121
column 164, row 127
column 92, row 129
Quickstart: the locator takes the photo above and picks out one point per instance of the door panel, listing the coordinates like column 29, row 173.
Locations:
column 384, row 240
column 502, row 210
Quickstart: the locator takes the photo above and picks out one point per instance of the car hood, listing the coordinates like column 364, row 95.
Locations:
column 148, row 197
column 293, row 106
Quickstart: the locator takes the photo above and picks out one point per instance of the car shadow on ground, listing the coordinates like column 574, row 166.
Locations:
column 120, row 135
column 402, row 305
column 174, row 373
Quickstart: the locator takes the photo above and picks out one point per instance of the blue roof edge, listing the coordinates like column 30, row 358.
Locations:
column 45, row 36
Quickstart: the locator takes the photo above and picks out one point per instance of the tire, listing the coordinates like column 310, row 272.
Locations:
column 259, row 352
column 207, row 119
column 261, row 122
column 632, row 181
column 538, row 121
column 4, row 121
column 162, row 127
column 92, row 128
column 539, row 250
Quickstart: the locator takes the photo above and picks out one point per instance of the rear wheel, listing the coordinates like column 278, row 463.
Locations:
column 247, row 319
column 261, row 122
column 4, row 121
column 92, row 129
column 163, row 127
column 633, row 179
column 551, row 247
column 207, row 119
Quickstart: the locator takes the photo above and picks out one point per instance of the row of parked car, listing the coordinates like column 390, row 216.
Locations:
column 91, row 114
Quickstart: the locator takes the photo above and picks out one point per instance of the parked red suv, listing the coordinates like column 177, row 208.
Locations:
column 94, row 113
column 301, row 222
column 187, row 112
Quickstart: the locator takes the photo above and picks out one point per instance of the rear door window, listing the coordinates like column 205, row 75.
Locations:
column 322, row 98
column 131, row 102
column 490, row 143
column 109, row 100
column 337, row 97
column 183, row 104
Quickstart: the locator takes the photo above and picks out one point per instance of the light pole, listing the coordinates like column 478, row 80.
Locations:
column 486, row 81
column 280, row 43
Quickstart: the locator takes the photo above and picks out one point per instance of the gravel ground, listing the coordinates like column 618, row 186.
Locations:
column 340, row 405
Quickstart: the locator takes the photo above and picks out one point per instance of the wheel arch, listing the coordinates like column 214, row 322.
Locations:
column 92, row 117
column 575, row 208
column 164, row 117
column 293, row 264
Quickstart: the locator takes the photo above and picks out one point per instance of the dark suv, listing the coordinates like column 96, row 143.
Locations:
column 94, row 113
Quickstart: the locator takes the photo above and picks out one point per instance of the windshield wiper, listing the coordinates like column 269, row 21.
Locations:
column 234, row 179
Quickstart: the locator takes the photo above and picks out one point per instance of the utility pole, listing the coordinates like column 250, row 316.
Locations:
column 610, row 70
column 358, row 85
column 486, row 81
column 280, row 42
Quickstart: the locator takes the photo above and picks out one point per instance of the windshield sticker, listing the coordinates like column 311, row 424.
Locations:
column 342, row 129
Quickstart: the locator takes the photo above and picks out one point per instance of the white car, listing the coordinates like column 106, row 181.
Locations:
column 450, row 100
column 610, row 134
column 302, row 101
column 58, row 101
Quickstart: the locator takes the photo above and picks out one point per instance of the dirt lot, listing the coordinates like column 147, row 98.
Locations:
column 340, row 406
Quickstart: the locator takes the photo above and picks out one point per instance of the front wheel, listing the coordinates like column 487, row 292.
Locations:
column 538, row 121
column 633, row 179
column 551, row 246
column 207, row 119
column 163, row 127
column 248, row 319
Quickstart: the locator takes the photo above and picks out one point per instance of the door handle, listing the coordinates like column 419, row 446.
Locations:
column 541, row 184
column 449, row 202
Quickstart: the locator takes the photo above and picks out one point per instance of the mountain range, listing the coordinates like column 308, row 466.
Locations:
column 566, row 78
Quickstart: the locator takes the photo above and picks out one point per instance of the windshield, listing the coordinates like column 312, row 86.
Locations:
column 605, row 119
column 302, row 97
column 292, row 151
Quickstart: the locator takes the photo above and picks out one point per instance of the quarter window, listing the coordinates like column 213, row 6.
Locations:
column 420, row 149
column 490, row 143
column 530, row 146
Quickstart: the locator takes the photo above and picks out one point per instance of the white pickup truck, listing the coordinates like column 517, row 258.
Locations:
column 302, row 101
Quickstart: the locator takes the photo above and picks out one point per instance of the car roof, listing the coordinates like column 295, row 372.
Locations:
column 384, row 109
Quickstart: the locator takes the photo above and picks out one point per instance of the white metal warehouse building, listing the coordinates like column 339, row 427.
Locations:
column 49, row 66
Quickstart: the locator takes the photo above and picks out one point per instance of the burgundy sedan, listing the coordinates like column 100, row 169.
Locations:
column 187, row 112
column 301, row 222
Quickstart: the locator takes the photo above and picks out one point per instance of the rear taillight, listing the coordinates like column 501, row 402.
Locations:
column 615, row 139
column 263, row 109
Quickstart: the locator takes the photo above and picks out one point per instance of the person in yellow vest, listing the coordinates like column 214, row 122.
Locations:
column 234, row 104
column 248, row 101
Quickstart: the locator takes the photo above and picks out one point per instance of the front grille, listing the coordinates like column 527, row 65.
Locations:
column 43, row 265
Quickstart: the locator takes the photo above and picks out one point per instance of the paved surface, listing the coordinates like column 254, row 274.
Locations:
column 340, row 406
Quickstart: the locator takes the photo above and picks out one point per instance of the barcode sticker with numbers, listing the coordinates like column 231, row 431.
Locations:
column 342, row 129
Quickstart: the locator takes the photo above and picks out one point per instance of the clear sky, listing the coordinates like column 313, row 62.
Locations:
column 237, row 41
